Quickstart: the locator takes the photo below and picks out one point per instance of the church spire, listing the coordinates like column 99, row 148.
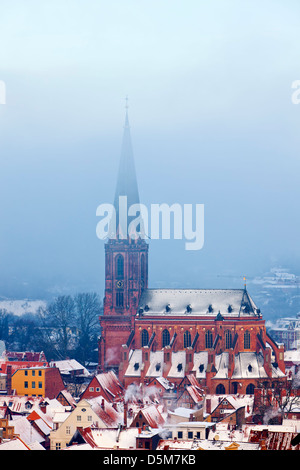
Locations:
column 126, row 180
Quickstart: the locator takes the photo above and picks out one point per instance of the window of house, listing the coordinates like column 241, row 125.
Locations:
column 89, row 418
column 25, row 384
column 40, row 384
column 68, row 429
column 33, row 372
column 91, row 389
column 57, row 446
column 33, row 384
column 179, row 434
column 40, row 373
column 78, row 418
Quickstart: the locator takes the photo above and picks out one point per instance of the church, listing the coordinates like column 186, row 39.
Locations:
column 217, row 335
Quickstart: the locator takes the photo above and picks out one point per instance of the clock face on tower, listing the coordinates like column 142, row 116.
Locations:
column 119, row 284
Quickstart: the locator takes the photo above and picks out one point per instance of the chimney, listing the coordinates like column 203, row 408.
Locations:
column 125, row 415
column 208, row 406
column 8, row 380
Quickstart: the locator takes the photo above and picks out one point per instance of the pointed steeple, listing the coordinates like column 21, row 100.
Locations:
column 126, row 180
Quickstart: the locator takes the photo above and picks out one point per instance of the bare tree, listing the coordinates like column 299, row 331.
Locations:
column 88, row 308
column 61, row 316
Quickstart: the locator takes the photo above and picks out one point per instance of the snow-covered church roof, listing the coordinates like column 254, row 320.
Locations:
column 203, row 302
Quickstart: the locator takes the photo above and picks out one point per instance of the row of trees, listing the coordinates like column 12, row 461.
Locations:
column 67, row 327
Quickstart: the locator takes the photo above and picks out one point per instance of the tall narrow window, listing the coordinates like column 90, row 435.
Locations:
column 208, row 339
column 143, row 267
column 228, row 339
column 120, row 267
column 144, row 338
column 119, row 299
column 165, row 338
column 246, row 340
column 187, row 339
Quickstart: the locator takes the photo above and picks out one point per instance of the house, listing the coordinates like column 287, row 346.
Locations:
column 37, row 381
column 96, row 411
column 106, row 385
column 274, row 439
column 105, row 438
column 188, row 430
column 148, row 416
column 148, row 439
column 71, row 369
column 217, row 407
column 160, row 385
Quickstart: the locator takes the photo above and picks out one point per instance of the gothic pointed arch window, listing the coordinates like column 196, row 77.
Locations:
column 246, row 340
column 228, row 339
column 187, row 339
column 165, row 338
column 144, row 338
column 208, row 339
column 119, row 266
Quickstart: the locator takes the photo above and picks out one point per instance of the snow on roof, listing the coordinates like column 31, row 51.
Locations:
column 249, row 365
column 194, row 393
column 103, row 438
column 40, row 422
column 25, row 430
column 181, row 411
column 221, row 364
column 236, row 401
column 14, row 444
column 229, row 302
column 178, row 364
column 134, row 364
column 106, row 412
column 152, row 415
column 20, row 404
column 156, row 364
column 165, row 383
column 293, row 356
column 110, row 384
column 70, row 365
column 170, row 444
column 200, row 364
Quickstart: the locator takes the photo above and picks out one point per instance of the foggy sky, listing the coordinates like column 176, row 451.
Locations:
column 212, row 122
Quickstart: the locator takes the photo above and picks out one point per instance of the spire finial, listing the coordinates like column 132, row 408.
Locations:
column 245, row 282
column 126, row 105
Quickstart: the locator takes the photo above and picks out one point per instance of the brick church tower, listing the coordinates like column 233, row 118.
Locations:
column 126, row 266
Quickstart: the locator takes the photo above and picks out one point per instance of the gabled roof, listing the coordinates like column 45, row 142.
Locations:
column 152, row 415
column 111, row 387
